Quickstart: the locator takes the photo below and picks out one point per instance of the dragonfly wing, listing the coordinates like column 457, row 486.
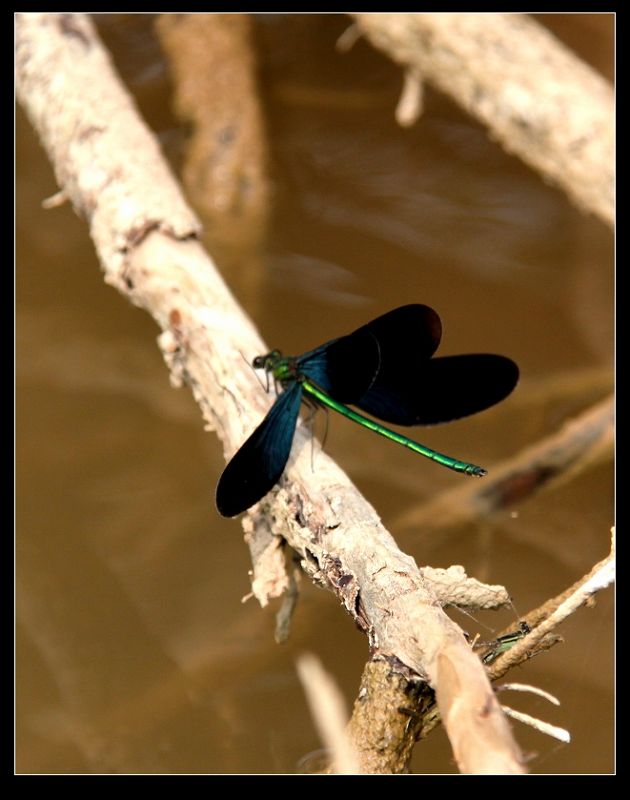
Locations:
column 383, row 351
column 405, row 335
column 441, row 390
column 344, row 368
column 258, row 464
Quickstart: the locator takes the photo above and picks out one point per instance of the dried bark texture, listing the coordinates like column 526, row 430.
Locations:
column 105, row 162
column 390, row 713
column 110, row 168
column 386, row 718
column 538, row 100
column 213, row 65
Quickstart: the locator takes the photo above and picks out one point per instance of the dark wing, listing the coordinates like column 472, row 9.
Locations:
column 440, row 389
column 344, row 368
column 376, row 352
column 257, row 466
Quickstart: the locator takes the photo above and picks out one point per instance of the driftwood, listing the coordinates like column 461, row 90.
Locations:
column 423, row 712
column 108, row 165
column 536, row 97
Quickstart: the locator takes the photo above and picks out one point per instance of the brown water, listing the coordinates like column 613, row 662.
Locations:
column 134, row 651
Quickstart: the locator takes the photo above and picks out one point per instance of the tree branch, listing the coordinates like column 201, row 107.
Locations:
column 538, row 99
column 110, row 167
column 212, row 62
column 544, row 620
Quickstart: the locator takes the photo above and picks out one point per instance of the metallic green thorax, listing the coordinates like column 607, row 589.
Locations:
column 503, row 643
column 286, row 371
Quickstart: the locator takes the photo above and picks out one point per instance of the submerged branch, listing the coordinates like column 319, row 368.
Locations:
column 212, row 62
column 585, row 440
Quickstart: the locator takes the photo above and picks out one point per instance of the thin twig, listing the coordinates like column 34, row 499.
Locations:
column 540, row 638
column 526, row 687
column 538, row 724
column 409, row 106
column 544, row 620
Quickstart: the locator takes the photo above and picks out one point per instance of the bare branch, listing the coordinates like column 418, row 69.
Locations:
column 526, row 687
column 110, row 167
column 538, row 100
column 224, row 172
column 409, row 106
column 387, row 718
column 544, row 620
column 454, row 588
column 426, row 716
column 348, row 39
column 538, row 724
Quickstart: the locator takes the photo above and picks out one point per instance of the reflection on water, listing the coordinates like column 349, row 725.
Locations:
column 135, row 653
